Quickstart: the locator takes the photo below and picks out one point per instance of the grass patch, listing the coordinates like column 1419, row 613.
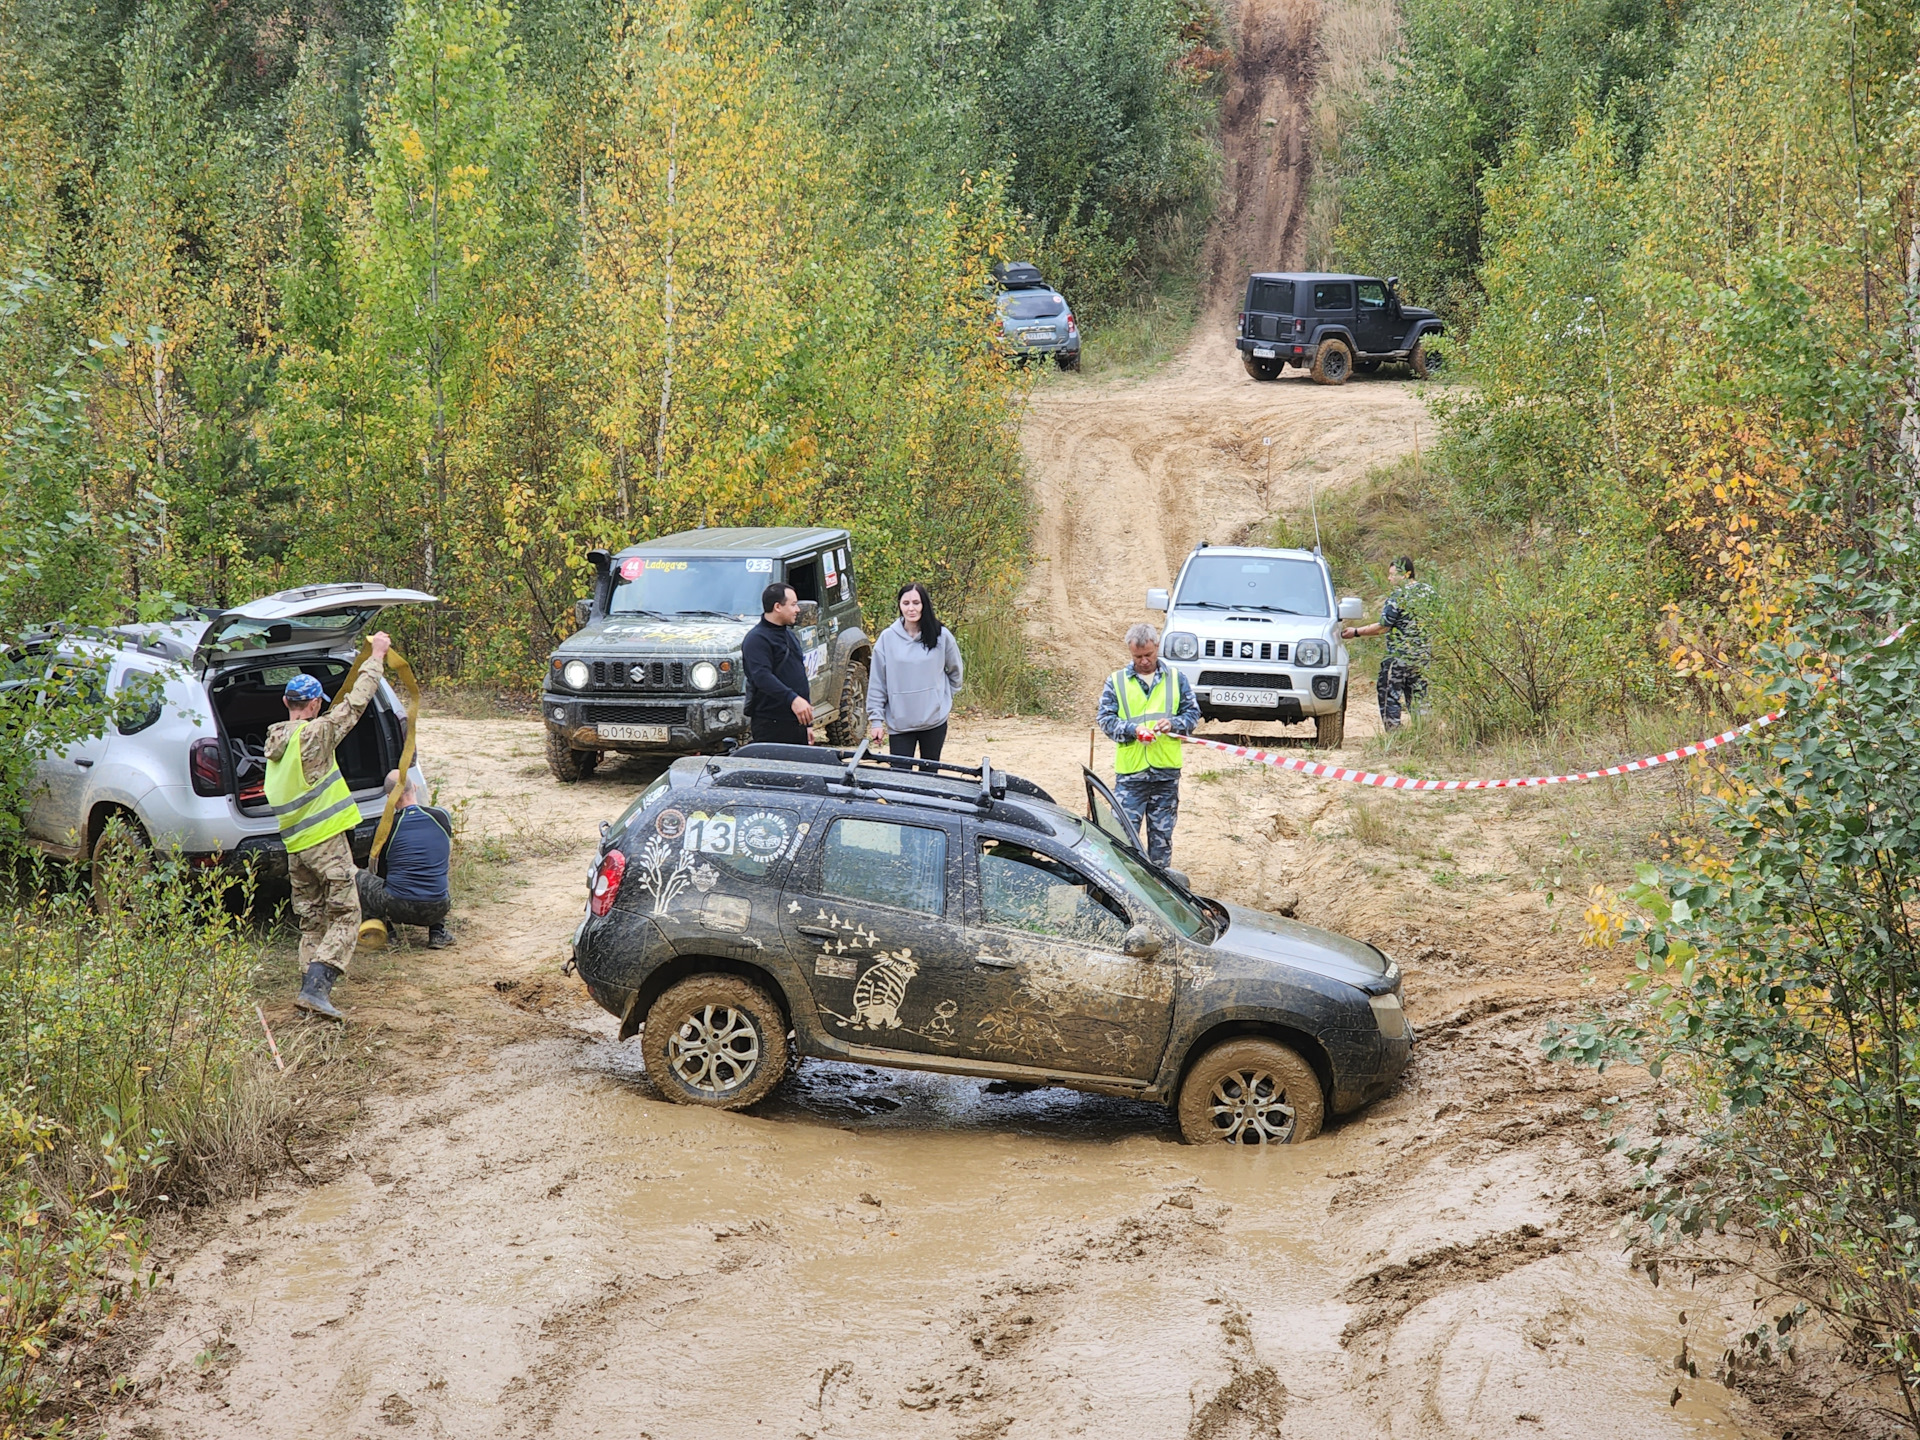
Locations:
column 1146, row 332
column 1002, row 678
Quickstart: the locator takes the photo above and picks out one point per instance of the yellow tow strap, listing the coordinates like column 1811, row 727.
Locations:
column 404, row 673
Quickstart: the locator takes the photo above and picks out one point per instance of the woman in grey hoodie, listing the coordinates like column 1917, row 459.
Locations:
column 917, row 671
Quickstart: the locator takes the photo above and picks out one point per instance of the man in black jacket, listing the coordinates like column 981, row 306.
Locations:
column 778, row 705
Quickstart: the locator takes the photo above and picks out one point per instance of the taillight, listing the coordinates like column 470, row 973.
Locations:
column 1241, row 321
column 203, row 764
column 1072, row 329
column 1299, row 325
column 606, row 882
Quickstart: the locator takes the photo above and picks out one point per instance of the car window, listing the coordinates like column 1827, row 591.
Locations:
column 1127, row 871
column 1373, row 295
column 846, row 574
column 1022, row 889
column 137, row 700
column 1031, row 306
column 667, row 586
column 1254, row 582
column 1272, row 297
column 804, row 577
column 1333, row 297
column 904, row 866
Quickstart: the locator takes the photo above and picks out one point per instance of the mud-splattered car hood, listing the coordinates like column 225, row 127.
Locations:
column 644, row 635
column 1261, row 937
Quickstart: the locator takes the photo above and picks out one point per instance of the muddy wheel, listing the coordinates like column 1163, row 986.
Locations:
column 850, row 722
column 1422, row 361
column 1332, row 363
column 1262, row 369
column 1330, row 731
column 1251, row 1092
column 567, row 763
column 119, row 859
column 1066, row 361
column 715, row 1040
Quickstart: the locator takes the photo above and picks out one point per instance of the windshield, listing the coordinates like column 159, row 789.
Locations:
column 1031, row 306
column 1139, row 881
column 1254, row 582
column 664, row 586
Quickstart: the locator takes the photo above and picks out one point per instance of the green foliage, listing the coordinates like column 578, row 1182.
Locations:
column 1780, row 976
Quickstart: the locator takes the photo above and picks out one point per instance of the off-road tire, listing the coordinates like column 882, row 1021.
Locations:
column 119, row 857
column 682, row 1026
column 1366, row 367
column 1066, row 361
column 1332, row 363
column 1330, row 731
column 850, row 721
column 567, row 763
column 1421, row 362
column 1280, row 1077
column 1262, row 369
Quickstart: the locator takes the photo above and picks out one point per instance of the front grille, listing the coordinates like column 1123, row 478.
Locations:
column 1245, row 650
column 1244, row 680
column 636, row 714
column 639, row 674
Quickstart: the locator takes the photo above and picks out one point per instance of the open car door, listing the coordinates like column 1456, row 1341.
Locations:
column 314, row 617
column 1103, row 809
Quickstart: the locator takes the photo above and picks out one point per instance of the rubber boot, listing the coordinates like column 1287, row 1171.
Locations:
column 438, row 937
column 315, row 994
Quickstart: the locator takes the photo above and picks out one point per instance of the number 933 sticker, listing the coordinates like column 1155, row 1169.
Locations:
column 758, row 835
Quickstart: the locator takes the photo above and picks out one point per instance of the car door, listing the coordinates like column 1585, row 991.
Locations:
column 1103, row 809
column 57, row 813
column 875, row 920
column 1333, row 303
column 1374, row 326
column 1056, row 989
column 814, row 628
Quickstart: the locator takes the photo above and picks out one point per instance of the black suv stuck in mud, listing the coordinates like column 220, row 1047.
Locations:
column 1332, row 325
column 785, row 901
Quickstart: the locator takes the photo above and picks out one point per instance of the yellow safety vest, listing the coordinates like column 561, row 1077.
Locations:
column 307, row 814
column 1160, row 704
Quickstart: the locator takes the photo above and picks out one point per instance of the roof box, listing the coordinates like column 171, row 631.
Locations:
column 1018, row 275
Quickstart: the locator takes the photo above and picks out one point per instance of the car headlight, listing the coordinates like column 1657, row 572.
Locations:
column 704, row 675
column 576, row 674
column 1311, row 653
column 1182, row 646
column 1388, row 1014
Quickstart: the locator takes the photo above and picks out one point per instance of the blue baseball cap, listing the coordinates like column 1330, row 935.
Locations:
column 304, row 688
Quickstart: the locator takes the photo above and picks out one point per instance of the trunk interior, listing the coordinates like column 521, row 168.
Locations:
column 247, row 702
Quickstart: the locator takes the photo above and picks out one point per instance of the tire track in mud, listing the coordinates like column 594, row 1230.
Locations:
column 1266, row 142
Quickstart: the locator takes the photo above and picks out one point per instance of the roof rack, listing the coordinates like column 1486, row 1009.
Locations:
column 860, row 769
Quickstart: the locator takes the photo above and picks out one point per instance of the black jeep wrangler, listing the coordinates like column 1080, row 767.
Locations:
column 1332, row 325
column 785, row 901
column 655, row 666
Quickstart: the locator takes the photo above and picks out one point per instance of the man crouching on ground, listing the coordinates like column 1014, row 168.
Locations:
column 315, row 809
column 413, row 891
column 1144, row 706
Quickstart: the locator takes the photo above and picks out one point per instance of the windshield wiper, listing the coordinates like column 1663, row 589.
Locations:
column 1200, row 605
column 723, row 614
column 1271, row 609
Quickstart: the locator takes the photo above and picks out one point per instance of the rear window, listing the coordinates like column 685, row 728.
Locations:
column 1272, row 297
column 1333, row 297
column 1034, row 306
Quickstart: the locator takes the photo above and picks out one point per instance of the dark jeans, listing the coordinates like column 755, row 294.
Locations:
column 1399, row 685
column 778, row 727
column 928, row 742
column 1154, row 801
column 376, row 903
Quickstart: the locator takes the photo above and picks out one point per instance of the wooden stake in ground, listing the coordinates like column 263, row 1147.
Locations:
column 273, row 1048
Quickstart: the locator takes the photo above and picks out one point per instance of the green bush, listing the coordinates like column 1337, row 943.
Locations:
column 1780, row 980
column 1001, row 675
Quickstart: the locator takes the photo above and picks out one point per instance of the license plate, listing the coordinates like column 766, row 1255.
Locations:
column 1263, row 352
column 658, row 734
column 1036, row 334
column 1246, row 697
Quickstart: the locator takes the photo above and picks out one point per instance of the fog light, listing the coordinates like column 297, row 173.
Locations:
column 723, row 717
column 559, row 714
column 1325, row 687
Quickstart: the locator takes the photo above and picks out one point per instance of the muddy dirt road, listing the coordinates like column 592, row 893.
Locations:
column 519, row 1238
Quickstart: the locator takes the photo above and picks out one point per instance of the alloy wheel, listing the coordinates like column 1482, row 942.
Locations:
column 715, row 1050
column 1249, row 1107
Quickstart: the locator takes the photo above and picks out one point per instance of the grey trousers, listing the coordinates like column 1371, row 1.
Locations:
column 1154, row 803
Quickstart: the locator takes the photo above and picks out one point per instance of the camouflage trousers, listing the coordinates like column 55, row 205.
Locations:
column 1151, row 798
column 1398, row 687
column 326, row 902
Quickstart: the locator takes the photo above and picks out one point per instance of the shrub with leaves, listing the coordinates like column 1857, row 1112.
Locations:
column 1780, row 974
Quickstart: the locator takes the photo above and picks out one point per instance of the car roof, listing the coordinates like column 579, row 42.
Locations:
column 1012, row 800
column 1307, row 275
column 740, row 539
column 1289, row 554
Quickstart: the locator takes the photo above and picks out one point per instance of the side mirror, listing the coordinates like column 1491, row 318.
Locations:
column 1351, row 607
column 582, row 612
column 1140, row 944
column 809, row 611
column 1156, row 600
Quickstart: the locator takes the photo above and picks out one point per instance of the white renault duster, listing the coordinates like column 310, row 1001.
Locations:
column 1256, row 632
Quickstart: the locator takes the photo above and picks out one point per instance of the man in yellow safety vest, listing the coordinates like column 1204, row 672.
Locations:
column 1142, row 709
column 316, row 812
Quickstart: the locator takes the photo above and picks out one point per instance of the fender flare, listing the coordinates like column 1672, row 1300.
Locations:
column 852, row 643
column 1340, row 333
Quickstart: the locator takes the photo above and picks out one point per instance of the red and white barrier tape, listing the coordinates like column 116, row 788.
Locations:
column 1401, row 782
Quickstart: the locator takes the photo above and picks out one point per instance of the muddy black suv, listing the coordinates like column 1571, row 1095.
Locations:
column 785, row 901
column 1331, row 326
column 655, row 666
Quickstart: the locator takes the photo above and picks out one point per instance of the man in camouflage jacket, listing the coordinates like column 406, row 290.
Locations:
column 1403, row 677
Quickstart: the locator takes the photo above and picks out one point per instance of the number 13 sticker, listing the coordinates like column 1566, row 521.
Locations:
column 710, row 834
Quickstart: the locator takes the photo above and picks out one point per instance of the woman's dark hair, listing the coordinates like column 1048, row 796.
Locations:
column 929, row 622
column 1405, row 564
